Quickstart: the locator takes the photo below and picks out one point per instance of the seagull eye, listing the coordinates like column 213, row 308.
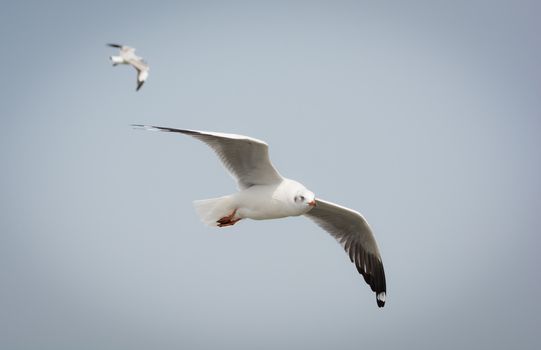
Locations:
column 302, row 198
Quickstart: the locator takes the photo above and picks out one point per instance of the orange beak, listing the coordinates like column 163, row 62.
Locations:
column 312, row 203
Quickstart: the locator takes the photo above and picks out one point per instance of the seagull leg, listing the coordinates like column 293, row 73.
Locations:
column 228, row 220
column 230, row 223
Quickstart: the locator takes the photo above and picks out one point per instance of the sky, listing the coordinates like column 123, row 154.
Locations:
column 422, row 115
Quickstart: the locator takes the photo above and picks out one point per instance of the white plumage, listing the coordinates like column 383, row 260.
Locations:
column 127, row 56
column 265, row 194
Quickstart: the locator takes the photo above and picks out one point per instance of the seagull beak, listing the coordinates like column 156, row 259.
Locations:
column 312, row 203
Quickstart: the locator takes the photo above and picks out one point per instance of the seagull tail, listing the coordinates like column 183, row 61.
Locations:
column 116, row 60
column 212, row 210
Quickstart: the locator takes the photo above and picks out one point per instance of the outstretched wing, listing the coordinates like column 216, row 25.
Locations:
column 138, row 64
column 123, row 48
column 246, row 158
column 352, row 231
column 142, row 71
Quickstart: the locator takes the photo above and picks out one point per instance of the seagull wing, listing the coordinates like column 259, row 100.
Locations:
column 351, row 230
column 123, row 48
column 138, row 64
column 246, row 158
column 142, row 70
column 127, row 50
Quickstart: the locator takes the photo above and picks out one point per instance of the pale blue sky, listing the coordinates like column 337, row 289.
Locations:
column 422, row 115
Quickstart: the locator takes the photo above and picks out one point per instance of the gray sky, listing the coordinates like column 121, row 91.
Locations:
column 422, row 115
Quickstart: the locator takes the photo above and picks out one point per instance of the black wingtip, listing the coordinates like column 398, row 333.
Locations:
column 139, row 84
column 118, row 46
column 380, row 298
column 151, row 127
column 165, row 129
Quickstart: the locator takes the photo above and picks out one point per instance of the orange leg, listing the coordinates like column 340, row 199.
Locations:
column 228, row 220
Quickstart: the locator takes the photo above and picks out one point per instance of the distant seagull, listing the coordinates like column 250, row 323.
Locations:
column 128, row 56
column 265, row 194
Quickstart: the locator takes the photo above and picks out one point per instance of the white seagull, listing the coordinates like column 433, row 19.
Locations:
column 127, row 56
column 265, row 194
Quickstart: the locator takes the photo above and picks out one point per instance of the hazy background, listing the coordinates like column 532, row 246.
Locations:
column 423, row 115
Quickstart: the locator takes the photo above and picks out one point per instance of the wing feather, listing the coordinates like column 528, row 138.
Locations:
column 138, row 64
column 246, row 158
column 351, row 230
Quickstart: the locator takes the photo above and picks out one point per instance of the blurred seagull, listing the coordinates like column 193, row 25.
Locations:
column 265, row 194
column 127, row 56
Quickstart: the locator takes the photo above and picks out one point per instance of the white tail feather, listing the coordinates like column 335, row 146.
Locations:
column 212, row 210
column 117, row 59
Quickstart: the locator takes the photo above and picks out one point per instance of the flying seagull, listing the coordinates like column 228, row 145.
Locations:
column 127, row 56
column 265, row 194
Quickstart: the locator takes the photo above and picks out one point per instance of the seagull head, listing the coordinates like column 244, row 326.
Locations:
column 297, row 198
column 305, row 199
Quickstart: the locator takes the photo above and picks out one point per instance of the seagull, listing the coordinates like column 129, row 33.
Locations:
column 128, row 56
column 264, row 194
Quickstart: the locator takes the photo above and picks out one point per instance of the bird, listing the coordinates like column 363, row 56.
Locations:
column 265, row 194
column 127, row 56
